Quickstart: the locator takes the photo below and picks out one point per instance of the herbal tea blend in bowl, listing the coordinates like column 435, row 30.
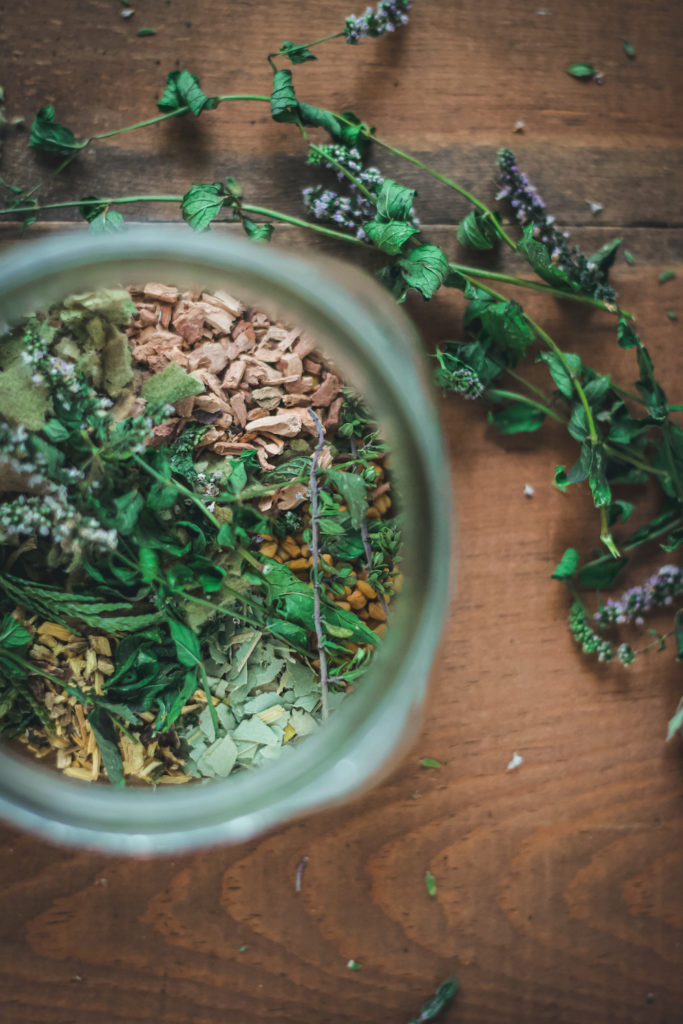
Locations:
column 197, row 536
column 201, row 534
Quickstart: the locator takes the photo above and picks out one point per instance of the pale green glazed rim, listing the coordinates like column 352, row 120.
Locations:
column 377, row 348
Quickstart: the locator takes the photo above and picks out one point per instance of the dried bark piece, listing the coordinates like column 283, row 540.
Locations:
column 160, row 292
column 291, row 496
column 313, row 366
column 211, row 355
column 263, row 460
column 260, row 373
column 234, row 374
column 286, row 424
column 268, row 397
column 239, row 408
column 217, row 318
column 291, row 365
column 304, row 346
column 232, row 447
column 224, row 299
column 190, row 323
column 244, row 331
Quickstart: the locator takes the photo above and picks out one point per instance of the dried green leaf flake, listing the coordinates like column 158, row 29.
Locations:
column 430, row 883
column 430, row 762
column 581, row 70
column 629, row 49
column 666, row 275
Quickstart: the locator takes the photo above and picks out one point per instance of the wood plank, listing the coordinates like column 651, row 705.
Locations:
column 559, row 884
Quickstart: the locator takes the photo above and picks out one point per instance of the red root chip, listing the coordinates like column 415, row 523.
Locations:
column 164, row 433
column 164, row 315
column 332, row 421
column 327, row 392
column 217, row 318
column 160, row 292
column 226, row 301
column 312, row 366
column 243, row 327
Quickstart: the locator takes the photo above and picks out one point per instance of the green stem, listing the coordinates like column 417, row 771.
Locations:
column 346, row 172
column 298, row 222
column 538, row 286
column 113, row 201
column 668, row 448
column 515, row 397
column 304, row 46
column 171, row 113
column 666, row 528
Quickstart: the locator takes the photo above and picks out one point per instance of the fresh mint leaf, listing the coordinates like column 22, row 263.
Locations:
column 581, row 70
column 186, row 643
column 257, row 232
column 517, row 418
column 539, row 259
column 394, row 201
column 606, row 255
column 562, row 376
column 619, row 509
column 629, row 257
column 602, row 574
column 183, row 90
column 297, row 54
column 147, row 32
column 503, row 322
column 626, row 336
column 649, row 388
column 568, row 564
column 51, row 137
column 353, row 490
column 676, row 721
column 202, row 204
column 105, row 737
column 597, row 479
column 283, row 102
column 476, row 231
column 13, row 634
column 389, row 236
column 578, row 423
column 425, row 269
column 666, row 275
column 106, row 222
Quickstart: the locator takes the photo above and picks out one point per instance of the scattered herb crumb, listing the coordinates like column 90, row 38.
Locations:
column 147, row 31
column 353, row 965
column 629, row 257
column 629, row 49
column 243, row 949
column 595, row 208
column 127, row 13
column 439, row 1001
column 666, row 275
column 430, row 882
column 300, row 868
column 672, row 315
column 581, row 70
column 528, row 491
column 519, row 127
column 430, row 762
column 515, row 762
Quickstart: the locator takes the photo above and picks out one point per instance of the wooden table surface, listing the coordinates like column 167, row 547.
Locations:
column 559, row 884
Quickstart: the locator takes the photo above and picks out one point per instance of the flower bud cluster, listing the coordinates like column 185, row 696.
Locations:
column 529, row 208
column 386, row 16
column 454, row 375
column 660, row 589
column 53, row 517
column 353, row 209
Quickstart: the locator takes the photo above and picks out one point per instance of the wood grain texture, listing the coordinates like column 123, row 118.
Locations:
column 559, row 885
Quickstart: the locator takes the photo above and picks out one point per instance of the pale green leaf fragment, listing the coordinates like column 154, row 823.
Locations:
column 219, row 758
column 172, row 385
column 430, row 883
column 253, row 730
column 430, row 762
column 302, row 722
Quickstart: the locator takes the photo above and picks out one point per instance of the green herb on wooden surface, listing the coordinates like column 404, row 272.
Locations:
column 433, row 1008
column 430, row 883
column 429, row 762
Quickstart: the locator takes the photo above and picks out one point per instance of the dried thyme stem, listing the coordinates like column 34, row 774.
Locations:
column 315, row 551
